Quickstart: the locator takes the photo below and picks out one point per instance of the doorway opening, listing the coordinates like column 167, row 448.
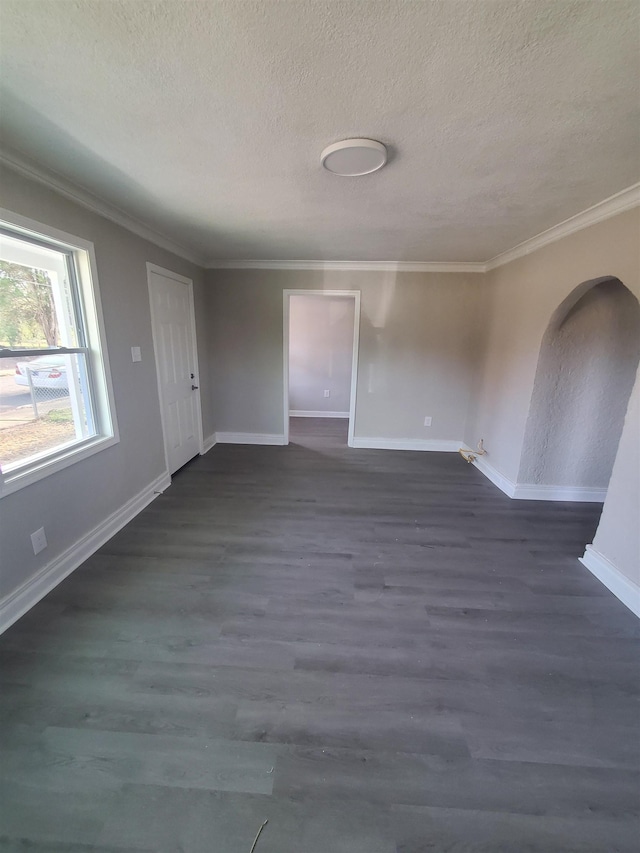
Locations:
column 321, row 333
column 586, row 371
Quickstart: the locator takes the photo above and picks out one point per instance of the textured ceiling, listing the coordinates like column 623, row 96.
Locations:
column 206, row 119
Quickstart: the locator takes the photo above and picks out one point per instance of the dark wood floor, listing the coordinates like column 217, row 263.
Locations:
column 377, row 651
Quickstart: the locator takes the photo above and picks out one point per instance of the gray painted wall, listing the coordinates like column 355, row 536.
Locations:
column 519, row 301
column 72, row 502
column 320, row 352
column 418, row 348
column 585, row 374
column 618, row 534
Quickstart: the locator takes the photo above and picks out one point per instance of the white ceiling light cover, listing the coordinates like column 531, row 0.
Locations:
column 353, row 157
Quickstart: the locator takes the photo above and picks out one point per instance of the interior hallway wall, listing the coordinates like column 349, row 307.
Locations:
column 320, row 352
column 418, row 348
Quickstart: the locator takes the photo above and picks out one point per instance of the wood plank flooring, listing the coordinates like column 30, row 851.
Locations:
column 377, row 651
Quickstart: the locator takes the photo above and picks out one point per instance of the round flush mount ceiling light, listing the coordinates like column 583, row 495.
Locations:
column 353, row 157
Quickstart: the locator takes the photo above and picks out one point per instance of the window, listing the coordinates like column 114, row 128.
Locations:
column 56, row 403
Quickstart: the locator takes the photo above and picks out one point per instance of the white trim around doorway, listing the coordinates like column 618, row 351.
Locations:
column 354, row 294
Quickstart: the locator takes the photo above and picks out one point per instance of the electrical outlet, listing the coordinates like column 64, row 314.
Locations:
column 38, row 540
column 327, row 393
column 427, row 421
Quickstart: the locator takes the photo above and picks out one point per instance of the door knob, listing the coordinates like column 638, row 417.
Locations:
column 194, row 387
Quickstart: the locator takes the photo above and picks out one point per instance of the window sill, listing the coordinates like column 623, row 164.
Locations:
column 15, row 480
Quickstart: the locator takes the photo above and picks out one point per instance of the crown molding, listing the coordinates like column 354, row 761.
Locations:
column 370, row 266
column 63, row 186
column 620, row 202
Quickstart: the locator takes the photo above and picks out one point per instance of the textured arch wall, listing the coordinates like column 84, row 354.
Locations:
column 585, row 374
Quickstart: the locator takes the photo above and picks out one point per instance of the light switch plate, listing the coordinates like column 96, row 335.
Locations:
column 136, row 355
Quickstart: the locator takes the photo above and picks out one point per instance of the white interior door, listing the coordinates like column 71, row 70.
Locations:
column 176, row 362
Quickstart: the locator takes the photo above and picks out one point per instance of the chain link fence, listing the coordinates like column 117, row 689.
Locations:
column 45, row 399
column 35, row 408
column 46, row 385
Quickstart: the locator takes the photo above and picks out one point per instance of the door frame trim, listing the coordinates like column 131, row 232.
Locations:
column 353, row 294
column 154, row 268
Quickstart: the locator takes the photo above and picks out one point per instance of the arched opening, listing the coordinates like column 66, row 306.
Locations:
column 586, row 370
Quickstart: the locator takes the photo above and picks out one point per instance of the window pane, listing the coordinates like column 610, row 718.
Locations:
column 36, row 305
column 45, row 405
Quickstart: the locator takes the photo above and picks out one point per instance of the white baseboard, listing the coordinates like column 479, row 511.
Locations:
column 535, row 492
column 580, row 494
column 503, row 483
column 14, row 605
column 208, row 443
column 299, row 413
column 249, row 438
column 626, row 590
column 437, row 445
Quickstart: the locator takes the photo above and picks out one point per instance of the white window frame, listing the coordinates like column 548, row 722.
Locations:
column 103, row 404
